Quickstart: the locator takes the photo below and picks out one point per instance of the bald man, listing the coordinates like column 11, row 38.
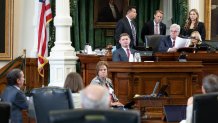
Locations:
column 95, row 97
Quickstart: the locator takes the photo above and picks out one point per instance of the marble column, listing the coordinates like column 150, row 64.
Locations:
column 167, row 9
column 62, row 57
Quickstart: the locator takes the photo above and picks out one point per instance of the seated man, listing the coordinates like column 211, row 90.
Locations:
column 209, row 85
column 125, row 52
column 167, row 44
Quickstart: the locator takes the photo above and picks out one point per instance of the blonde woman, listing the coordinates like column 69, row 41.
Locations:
column 195, row 39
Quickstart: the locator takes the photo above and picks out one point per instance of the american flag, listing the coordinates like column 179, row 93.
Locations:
column 44, row 17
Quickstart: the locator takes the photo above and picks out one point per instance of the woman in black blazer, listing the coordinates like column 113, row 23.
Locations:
column 193, row 24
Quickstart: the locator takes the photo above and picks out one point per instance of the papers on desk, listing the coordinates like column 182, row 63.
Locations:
column 182, row 42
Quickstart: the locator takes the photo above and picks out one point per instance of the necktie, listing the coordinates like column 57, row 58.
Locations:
column 128, row 52
column 173, row 43
column 133, row 33
column 156, row 29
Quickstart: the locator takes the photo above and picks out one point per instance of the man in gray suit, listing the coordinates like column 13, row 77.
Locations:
column 125, row 52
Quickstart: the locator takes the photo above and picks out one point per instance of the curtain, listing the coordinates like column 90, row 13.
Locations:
column 180, row 11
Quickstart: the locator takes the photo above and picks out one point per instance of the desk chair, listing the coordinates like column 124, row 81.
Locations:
column 205, row 108
column 153, row 41
column 5, row 112
column 50, row 98
column 94, row 116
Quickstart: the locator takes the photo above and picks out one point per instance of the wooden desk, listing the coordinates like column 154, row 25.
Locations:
column 140, row 78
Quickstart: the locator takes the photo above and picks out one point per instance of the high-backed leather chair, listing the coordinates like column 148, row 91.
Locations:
column 205, row 108
column 47, row 99
column 5, row 112
column 153, row 41
column 94, row 116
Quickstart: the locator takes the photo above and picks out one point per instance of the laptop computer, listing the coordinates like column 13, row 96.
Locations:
column 175, row 113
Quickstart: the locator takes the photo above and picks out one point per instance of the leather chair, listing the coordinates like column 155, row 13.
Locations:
column 47, row 99
column 153, row 41
column 5, row 112
column 94, row 116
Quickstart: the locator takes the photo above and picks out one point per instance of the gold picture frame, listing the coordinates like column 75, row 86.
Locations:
column 99, row 5
column 7, row 23
column 207, row 18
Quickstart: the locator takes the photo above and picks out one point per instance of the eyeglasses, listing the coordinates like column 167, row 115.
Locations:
column 173, row 31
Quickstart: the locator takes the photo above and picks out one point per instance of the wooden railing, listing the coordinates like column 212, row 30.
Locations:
column 32, row 77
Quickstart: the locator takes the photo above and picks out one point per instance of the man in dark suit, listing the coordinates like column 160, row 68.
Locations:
column 167, row 44
column 109, row 13
column 126, row 25
column 154, row 27
column 14, row 95
column 125, row 52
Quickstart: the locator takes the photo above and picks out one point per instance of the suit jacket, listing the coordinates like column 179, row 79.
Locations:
column 18, row 102
column 123, row 26
column 120, row 55
column 200, row 28
column 148, row 29
column 106, row 14
column 165, row 44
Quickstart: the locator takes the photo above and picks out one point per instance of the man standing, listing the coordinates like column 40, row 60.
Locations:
column 154, row 27
column 126, row 25
column 14, row 95
column 167, row 44
column 125, row 52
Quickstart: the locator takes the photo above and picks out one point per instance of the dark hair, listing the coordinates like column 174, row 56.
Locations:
column 13, row 75
column 129, row 8
column 210, row 83
column 99, row 64
column 74, row 82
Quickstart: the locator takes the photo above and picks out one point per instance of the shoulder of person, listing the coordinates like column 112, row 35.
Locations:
column 190, row 101
column 108, row 79
column 95, row 81
column 200, row 23
column 161, row 23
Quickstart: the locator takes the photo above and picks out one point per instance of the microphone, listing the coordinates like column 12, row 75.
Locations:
column 155, row 89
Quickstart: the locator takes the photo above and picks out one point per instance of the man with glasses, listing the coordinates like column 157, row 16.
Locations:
column 167, row 44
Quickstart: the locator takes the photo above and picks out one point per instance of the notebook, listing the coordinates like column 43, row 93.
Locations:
column 175, row 113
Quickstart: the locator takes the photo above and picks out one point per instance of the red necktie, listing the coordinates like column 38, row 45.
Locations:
column 128, row 52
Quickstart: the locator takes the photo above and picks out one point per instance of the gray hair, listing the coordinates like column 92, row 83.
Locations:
column 175, row 26
column 100, row 101
column 210, row 83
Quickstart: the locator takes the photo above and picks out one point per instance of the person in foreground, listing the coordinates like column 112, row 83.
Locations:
column 127, row 25
column 95, row 97
column 154, row 27
column 193, row 24
column 125, row 52
column 14, row 95
column 75, row 83
column 167, row 44
column 209, row 85
column 102, row 80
